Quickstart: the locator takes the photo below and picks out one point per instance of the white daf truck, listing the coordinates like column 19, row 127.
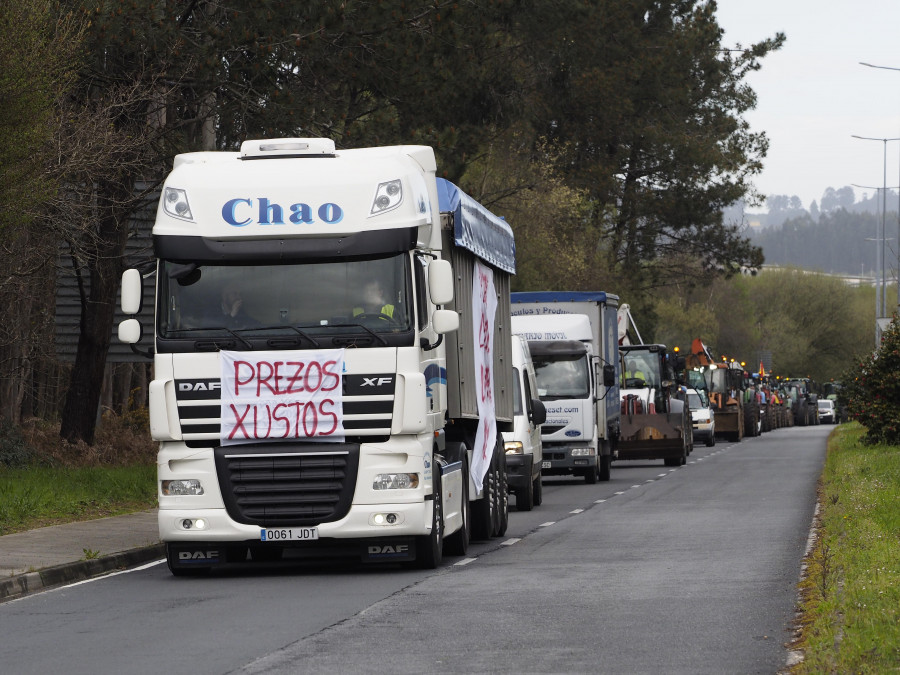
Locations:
column 573, row 338
column 331, row 356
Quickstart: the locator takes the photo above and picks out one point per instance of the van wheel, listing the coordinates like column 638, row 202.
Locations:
column 525, row 497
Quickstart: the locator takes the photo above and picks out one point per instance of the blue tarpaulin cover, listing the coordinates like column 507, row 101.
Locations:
column 476, row 229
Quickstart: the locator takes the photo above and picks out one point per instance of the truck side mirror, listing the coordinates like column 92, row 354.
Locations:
column 132, row 291
column 538, row 412
column 444, row 321
column 440, row 282
column 609, row 376
column 130, row 331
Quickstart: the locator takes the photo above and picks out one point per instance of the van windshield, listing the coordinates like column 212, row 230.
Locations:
column 320, row 299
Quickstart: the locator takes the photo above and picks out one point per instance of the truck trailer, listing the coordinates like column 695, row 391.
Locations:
column 331, row 359
column 573, row 337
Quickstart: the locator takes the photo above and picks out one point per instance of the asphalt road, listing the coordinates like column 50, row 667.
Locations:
column 689, row 570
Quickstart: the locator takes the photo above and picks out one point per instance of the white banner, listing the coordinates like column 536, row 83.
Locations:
column 280, row 395
column 484, row 312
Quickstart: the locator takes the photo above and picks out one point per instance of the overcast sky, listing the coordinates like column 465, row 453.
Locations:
column 813, row 94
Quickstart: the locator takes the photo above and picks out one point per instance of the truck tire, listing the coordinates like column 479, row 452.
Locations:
column 592, row 474
column 430, row 547
column 502, row 496
column 538, row 490
column 605, row 467
column 484, row 510
column 458, row 542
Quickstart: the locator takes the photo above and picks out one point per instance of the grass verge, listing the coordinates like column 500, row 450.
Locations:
column 38, row 496
column 850, row 596
column 46, row 481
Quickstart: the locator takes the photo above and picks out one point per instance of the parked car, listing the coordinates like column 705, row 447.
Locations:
column 522, row 445
column 703, row 416
column 827, row 413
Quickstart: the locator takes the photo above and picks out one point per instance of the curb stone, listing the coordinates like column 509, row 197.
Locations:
column 22, row 585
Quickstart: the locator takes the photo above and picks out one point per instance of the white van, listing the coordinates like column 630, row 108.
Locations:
column 523, row 444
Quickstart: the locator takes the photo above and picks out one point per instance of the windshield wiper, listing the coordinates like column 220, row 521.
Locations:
column 212, row 328
column 315, row 343
column 358, row 325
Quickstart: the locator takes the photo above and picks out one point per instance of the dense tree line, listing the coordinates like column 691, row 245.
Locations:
column 609, row 132
column 838, row 242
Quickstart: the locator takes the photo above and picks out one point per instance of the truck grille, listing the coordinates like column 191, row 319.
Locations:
column 280, row 485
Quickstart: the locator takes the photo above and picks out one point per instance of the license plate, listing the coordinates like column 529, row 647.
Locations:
column 289, row 534
column 546, row 464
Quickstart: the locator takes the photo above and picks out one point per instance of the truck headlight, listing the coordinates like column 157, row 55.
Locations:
column 583, row 452
column 396, row 481
column 387, row 197
column 513, row 448
column 184, row 486
column 175, row 202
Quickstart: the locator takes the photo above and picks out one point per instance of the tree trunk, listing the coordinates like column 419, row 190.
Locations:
column 79, row 418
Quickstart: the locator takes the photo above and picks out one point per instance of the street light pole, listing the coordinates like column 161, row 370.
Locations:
column 882, row 305
column 870, row 65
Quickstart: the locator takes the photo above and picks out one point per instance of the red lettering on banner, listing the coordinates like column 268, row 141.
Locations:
column 239, row 421
column 315, row 418
column 309, row 371
column 327, row 413
column 283, row 420
column 336, row 377
column 295, row 378
column 262, row 380
column 237, row 375
column 486, row 394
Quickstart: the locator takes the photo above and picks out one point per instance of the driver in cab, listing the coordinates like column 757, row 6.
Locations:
column 374, row 302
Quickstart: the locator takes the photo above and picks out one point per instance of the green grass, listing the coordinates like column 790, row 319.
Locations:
column 36, row 496
column 850, row 614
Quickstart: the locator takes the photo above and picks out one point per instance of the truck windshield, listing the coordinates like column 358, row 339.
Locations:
column 561, row 376
column 319, row 299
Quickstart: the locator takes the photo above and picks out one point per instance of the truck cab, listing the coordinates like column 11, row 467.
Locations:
column 523, row 444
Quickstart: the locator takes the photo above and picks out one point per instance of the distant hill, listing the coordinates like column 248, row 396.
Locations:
column 836, row 236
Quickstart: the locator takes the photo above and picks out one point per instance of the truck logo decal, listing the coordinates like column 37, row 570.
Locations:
column 573, row 433
column 434, row 375
column 375, row 381
column 203, row 556
column 238, row 213
column 389, row 550
column 211, row 385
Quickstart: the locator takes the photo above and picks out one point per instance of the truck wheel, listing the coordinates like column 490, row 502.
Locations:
column 605, row 467
column 538, row 490
column 710, row 440
column 430, row 548
column 458, row 542
column 525, row 497
column 483, row 510
column 502, row 497
column 591, row 475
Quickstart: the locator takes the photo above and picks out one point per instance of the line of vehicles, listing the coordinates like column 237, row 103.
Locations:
column 340, row 368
